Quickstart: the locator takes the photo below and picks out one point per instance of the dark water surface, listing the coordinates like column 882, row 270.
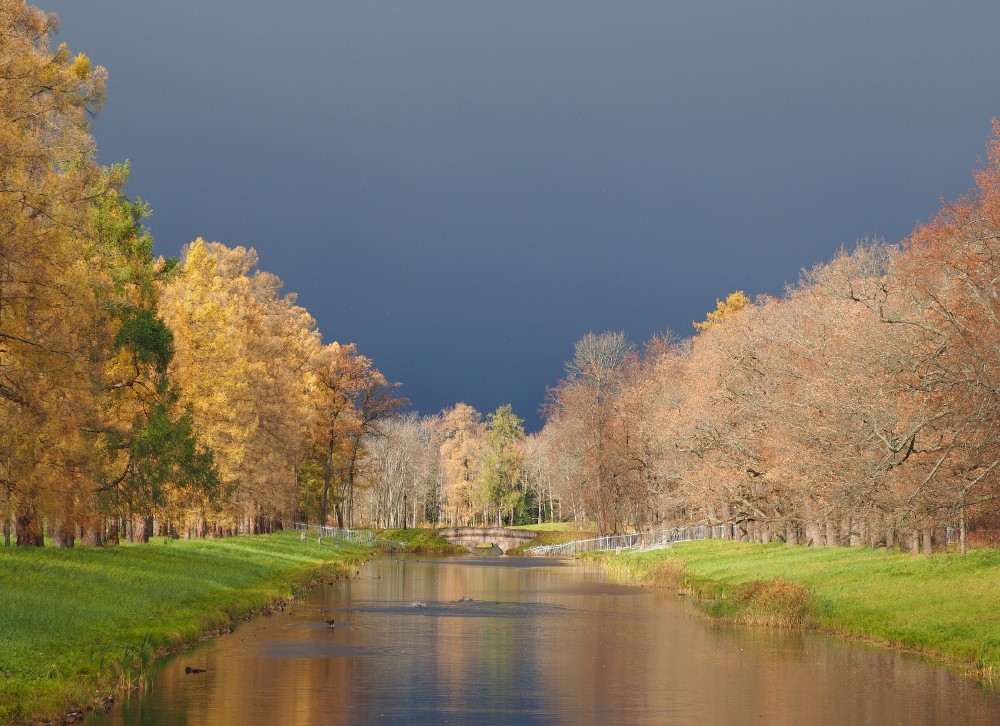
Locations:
column 530, row 641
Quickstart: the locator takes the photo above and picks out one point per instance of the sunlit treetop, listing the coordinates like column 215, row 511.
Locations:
column 735, row 302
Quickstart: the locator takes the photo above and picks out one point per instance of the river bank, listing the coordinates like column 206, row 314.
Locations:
column 79, row 626
column 944, row 606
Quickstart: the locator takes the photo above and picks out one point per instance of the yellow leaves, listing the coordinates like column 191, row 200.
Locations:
column 51, row 362
column 462, row 451
column 242, row 363
column 81, row 67
column 733, row 304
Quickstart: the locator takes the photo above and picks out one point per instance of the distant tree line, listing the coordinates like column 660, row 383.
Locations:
column 454, row 468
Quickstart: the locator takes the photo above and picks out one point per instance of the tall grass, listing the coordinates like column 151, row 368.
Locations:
column 79, row 624
column 947, row 605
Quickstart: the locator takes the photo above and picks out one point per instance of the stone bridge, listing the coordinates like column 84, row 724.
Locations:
column 503, row 538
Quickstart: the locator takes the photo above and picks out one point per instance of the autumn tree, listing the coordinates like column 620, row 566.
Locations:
column 352, row 401
column 339, row 378
column 402, row 473
column 947, row 272
column 501, row 484
column 733, row 303
column 47, row 176
column 242, row 350
column 461, row 432
column 726, row 422
column 542, row 475
column 585, row 409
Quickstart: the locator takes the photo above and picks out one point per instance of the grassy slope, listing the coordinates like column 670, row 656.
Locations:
column 549, row 527
column 75, row 623
column 422, row 540
column 550, row 533
column 946, row 604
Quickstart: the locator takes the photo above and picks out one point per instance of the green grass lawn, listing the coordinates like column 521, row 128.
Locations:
column 425, row 540
column 948, row 605
column 550, row 527
column 78, row 624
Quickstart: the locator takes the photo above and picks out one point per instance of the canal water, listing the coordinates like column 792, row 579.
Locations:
column 497, row 640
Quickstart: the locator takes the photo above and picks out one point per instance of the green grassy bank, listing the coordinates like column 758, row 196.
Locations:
column 946, row 605
column 424, row 540
column 79, row 624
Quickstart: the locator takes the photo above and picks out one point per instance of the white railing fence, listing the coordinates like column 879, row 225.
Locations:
column 356, row 536
column 638, row 540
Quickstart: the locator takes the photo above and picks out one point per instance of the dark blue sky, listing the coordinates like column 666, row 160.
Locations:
column 466, row 188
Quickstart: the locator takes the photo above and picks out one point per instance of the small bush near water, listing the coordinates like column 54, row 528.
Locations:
column 79, row 625
column 777, row 603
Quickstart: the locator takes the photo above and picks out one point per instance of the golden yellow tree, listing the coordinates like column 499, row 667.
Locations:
column 339, row 377
column 462, row 450
column 734, row 302
column 46, row 175
column 242, row 353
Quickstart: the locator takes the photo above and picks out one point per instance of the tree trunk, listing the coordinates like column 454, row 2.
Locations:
column 351, row 471
column 727, row 532
column 63, row 534
column 961, row 531
column 138, row 529
column 328, row 471
column 114, row 531
column 928, row 542
column 28, row 528
column 859, row 534
column 941, row 538
column 915, row 542
column 792, row 535
column 6, row 531
column 831, row 534
column 846, row 530
column 872, row 535
column 93, row 532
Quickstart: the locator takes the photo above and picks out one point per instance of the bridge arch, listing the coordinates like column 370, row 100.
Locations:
column 505, row 539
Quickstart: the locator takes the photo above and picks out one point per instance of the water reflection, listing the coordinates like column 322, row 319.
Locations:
column 526, row 641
